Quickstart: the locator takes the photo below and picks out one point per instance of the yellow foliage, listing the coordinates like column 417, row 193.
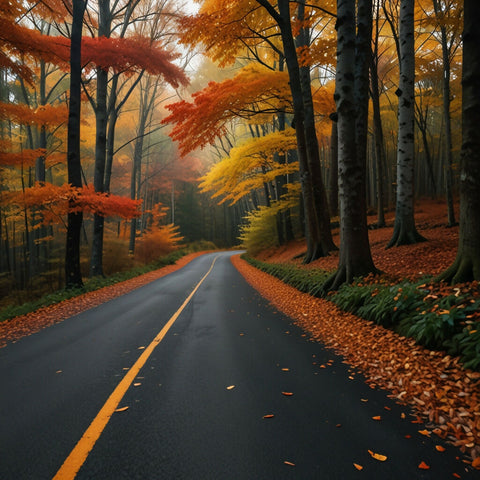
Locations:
column 250, row 165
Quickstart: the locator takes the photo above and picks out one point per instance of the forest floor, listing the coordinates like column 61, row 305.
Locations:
column 408, row 261
column 445, row 397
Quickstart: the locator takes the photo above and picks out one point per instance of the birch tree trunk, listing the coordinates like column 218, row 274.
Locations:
column 404, row 231
column 73, row 274
column 466, row 266
column 351, row 97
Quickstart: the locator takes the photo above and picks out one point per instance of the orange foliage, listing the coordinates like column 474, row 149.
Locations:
column 157, row 242
column 57, row 201
column 44, row 115
column 25, row 158
column 254, row 90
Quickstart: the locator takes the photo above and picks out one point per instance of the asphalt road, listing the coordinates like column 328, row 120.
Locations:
column 182, row 421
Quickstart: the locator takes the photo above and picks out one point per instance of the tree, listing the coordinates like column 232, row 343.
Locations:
column 351, row 96
column 73, row 274
column 107, row 104
column 448, row 18
column 317, row 218
column 405, row 232
column 466, row 266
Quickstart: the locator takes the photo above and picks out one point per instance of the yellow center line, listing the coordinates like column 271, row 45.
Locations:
column 79, row 454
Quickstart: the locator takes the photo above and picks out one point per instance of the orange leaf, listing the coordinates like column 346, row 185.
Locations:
column 377, row 456
column 287, row 394
column 378, row 417
column 137, row 384
column 122, row 409
column 476, row 463
column 270, row 415
column 286, row 462
column 424, row 432
column 357, row 466
column 285, row 369
column 423, row 466
column 231, row 387
column 439, row 448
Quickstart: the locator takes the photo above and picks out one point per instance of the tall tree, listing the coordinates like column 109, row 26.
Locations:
column 317, row 217
column 448, row 15
column 466, row 266
column 73, row 274
column 351, row 96
column 405, row 231
column 107, row 105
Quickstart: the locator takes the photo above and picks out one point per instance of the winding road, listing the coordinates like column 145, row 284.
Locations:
column 195, row 376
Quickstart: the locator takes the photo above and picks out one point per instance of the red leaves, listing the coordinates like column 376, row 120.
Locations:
column 59, row 200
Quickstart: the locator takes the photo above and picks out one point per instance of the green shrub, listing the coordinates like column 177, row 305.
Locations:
column 438, row 323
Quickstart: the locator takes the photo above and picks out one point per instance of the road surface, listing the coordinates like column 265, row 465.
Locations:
column 229, row 389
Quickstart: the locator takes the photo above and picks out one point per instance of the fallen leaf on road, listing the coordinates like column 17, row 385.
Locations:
column 378, row 417
column 439, row 448
column 423, row 466
column 137, row 384
column 377, row 456
column 338, row 425
column 270, row 415
column 357, row 466
column 364, row 399
column 476, row 463
column 58, row 371
column 285, row 369
column 287, row 394
column 286, row 462
column 231, row 387
column 122, row 409
column 424, row 432
column 141, row 348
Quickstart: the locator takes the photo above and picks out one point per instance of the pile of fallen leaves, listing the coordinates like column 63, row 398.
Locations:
column 18, row 327
column 441, row 392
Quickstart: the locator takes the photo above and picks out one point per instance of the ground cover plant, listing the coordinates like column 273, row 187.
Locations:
column 406, row 297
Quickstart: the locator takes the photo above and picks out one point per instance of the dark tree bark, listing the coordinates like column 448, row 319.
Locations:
column 101, row 122
column 351, row 97
column 378, row 137
column 317, row 220
column 466, row 266
column 333, row 177
column 73, row 274
column 448, row 46
column 405, row 231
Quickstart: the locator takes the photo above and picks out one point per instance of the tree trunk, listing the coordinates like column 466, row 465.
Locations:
column 379, row 141
column 351, row 97
column 466, row 266
column 318, row 236
column 333, row 177
column 101, row 119
column 448, row 129
column 405, row 232
column 73, row 274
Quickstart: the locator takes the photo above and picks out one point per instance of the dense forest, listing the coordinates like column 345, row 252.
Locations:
column 128, row 128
